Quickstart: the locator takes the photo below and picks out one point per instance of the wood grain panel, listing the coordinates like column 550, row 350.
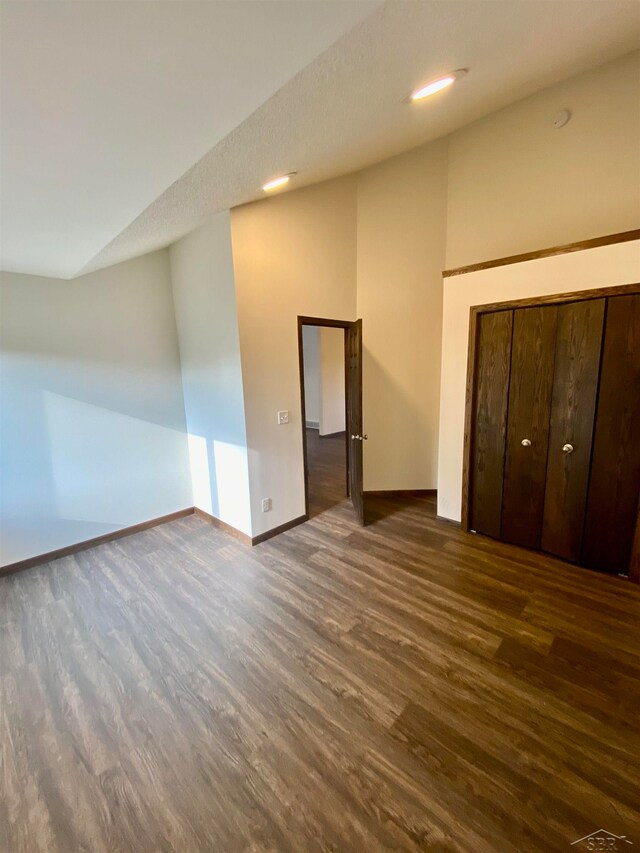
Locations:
column 530, row 387
column 577, row 365
column 354, row 418
column 403, row 686
column 490, row 420
column 614, row 488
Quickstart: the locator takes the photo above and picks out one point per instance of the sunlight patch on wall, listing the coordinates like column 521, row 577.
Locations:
column 200, row 476
column 232, row 482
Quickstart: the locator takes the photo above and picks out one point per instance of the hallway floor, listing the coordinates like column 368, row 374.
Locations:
column 327, row 463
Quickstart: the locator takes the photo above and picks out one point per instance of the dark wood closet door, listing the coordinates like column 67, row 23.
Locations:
column 490, row 421
column 615, row 468
column 575, row 384
column 530, row 387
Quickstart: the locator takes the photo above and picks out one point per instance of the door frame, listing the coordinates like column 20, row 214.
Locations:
column 331, row 324
column 475, row 312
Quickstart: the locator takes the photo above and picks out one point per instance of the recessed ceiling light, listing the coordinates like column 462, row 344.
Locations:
column 437, row 85
column 278, row 182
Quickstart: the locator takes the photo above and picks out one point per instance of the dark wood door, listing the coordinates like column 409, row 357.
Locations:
column 354, row 410
column 490, row 420
column 615, row 468
column 530, row 387
column 575, row 384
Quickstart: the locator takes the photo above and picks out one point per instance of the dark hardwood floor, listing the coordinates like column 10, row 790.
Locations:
column 399, row 687
column 327, row 465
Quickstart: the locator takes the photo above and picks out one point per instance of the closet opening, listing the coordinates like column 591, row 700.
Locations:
column 553, row 408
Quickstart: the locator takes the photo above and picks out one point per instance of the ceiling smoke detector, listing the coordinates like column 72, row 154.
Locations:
column 561, row 118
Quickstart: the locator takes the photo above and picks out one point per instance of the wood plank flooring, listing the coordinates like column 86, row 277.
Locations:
column 327, row 467
column 399, row 687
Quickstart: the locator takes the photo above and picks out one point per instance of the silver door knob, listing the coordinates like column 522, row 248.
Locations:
column 364, row 437
column 567, row 448
column 354, row 437
column 526, row 442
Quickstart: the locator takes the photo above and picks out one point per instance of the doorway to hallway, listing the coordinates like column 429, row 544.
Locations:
column 330, row 359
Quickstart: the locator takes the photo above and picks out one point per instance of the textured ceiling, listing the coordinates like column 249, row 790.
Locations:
column 343, row 110
column 105, row 103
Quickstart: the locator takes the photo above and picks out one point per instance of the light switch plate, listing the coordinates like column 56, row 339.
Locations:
column 283, row 417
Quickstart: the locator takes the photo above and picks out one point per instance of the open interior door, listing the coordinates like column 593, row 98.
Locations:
column 354, row 410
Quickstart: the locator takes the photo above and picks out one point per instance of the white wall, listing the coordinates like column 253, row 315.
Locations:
column 294, row 254
column 332, row 390
column 311, row 360
column 402, row 206
column 92, row 420
column 516, row 184
column 602, row 267
column 205, row 306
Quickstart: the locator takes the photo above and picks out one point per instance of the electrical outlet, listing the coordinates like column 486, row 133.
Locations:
column 266, row 504
column 283, row 417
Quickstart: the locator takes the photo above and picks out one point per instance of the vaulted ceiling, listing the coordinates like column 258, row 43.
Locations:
column 124, row 124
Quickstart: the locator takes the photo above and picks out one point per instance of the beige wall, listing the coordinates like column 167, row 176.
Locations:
column 516, row 184
column 402, row 208
column 294, row 254
column 602, row 267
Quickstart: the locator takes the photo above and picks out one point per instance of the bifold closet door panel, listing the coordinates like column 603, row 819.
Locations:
column 493, row 356
column 615, row 467
column 575, row 385
column 530, row 388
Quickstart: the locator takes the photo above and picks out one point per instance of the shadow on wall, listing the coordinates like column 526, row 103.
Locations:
column 217, row 437
column 78, row 471
column 92, row 417
column 73, row 471
column 91, row 470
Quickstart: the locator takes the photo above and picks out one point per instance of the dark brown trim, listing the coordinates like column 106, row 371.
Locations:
column 609, row 239
column 333, row 324
column 228, row 528
column 323, row 321
column 450, row 521
column 269, row 534
column 474, row 314
column 402, row 493
column 40, row 559
column 91, row 543
column 559, row 298
column 332, row 434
